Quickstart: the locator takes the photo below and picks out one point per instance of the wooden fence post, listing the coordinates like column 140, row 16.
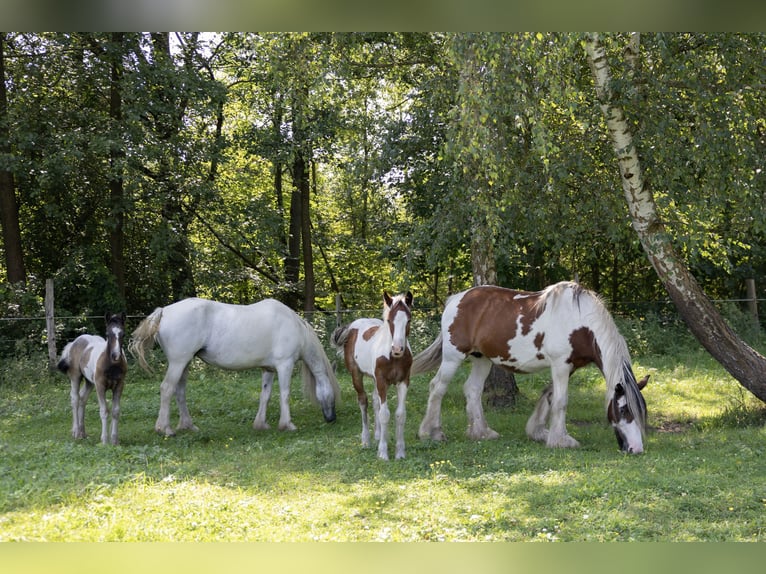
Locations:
column 752, row 298
column 50, row 323
column 338, row 314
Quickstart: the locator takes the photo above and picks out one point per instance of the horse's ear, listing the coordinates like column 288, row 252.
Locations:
column 123, row 317
column 408, row 299
column 642, row 382
column 387, row 298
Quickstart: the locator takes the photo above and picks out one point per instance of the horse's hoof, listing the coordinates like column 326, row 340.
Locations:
column 434, row 434
column 482, row 434
column 167, row 431
column 261, row 426
column 539, row 434
column 288, row 427
column 565, row 441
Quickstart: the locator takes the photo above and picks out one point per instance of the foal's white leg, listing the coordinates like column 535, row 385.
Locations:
column 365, row 423
column 401, row 417
column 267, row 382
column 478, row 428
column 431, row 426
column 284, row 374
column 74, row 398
column 557, row 435
column 85, row 391
column 116, row 394
column 376, row 412
column 383, row 416
column 103, row 412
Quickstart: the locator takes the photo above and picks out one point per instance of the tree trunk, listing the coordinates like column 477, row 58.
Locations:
column 9, row 208
column 703, row 319
column 116, row 156
column 500, row 388
column 308, row 252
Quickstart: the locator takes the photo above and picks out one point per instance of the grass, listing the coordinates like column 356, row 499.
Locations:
column 700, row 479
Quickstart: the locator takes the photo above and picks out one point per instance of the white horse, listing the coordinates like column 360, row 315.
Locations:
column 564, row 327
column 379, row 349
column 101, row 362
column 267, row 334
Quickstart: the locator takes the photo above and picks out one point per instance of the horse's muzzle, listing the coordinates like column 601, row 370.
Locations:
column 329, row 415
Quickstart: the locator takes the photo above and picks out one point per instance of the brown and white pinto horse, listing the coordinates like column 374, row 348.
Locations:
column 564, row 327
column 103, row 366
column 380, row 349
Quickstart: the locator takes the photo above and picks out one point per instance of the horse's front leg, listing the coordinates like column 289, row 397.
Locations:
column 284, row 374
column 266, row 385
column 78, row 430
column 557, row 434
column 536, row 425
column 401, row 417
column 116, row 395
column 431, row 425
column 103, row 411
column 184, row 418
column 381, row 419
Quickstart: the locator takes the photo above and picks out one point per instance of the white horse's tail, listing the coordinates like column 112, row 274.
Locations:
column 144, row 337
column 315, row 349
column 429, row 359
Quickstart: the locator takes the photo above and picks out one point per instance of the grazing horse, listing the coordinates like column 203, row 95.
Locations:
column 267, row 334
column 380, row 349
column 102, row 364
column 564, row 327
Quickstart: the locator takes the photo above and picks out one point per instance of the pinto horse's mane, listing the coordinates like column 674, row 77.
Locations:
column 615, row 355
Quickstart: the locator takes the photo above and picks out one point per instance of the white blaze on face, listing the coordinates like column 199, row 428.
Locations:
column 628, row 429
column 113, row 343
column 399, row 339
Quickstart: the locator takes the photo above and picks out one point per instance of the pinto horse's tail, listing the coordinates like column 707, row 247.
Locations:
column 338, row 338
column 144, row 337
column 429, row 359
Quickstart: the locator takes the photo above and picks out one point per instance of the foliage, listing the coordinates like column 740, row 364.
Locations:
column 700, row 478
column 415, row 142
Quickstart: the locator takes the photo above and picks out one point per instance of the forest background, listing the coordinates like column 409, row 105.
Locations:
column 137, row 169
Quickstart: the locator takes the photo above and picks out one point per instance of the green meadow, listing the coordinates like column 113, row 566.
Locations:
column 701, row 477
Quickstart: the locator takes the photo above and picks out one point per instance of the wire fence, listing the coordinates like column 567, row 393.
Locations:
column 23, row 336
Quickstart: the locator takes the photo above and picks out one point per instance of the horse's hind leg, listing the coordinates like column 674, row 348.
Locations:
column 361, row 398
column 477, row 424
column 536, row 425
column 431, row 426
column 267, row 384
column 168, row 391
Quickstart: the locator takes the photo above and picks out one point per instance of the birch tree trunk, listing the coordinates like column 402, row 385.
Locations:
column 702, row 317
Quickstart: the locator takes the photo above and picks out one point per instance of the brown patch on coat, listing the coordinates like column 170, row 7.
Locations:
column 369, row 333
column 392, row 370
column 488, row 317
column 585, row 349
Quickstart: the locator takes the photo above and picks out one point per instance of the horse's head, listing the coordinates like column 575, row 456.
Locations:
column 397, row 313
column 115, row 332
column 627, row 427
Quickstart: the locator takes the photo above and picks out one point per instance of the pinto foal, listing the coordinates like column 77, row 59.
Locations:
column 101, row 362
column 380, row 349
